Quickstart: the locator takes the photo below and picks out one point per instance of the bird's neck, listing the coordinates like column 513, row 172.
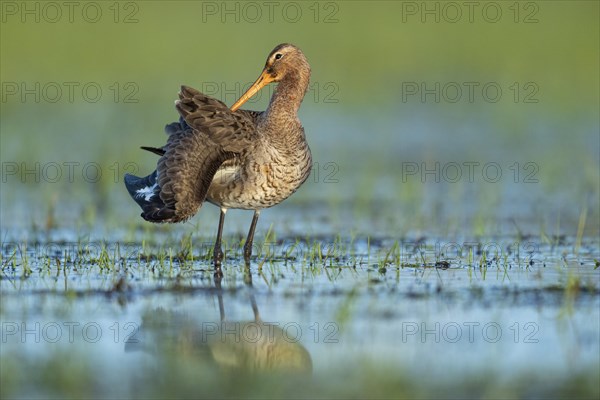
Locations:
column 288, row 96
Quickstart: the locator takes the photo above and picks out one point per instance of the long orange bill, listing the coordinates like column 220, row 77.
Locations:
column 263, row 80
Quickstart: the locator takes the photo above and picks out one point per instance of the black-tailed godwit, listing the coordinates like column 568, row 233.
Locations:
column 230, row 157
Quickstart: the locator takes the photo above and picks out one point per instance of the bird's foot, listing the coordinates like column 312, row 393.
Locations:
column 217, row 260
column 218, row 255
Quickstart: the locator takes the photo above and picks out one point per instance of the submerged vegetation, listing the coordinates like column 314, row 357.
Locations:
column 158, row 301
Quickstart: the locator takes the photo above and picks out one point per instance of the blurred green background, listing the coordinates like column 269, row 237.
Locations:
column 363, row 126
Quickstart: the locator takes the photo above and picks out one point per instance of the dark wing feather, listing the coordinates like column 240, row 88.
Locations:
column 155, row 150
column 234, row 131
column 207, row 135
column 185, row 173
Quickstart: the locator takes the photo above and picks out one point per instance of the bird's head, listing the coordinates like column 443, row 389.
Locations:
column 284, row 62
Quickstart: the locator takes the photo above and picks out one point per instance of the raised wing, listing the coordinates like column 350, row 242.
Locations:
column 208, row 135
column 234, row 131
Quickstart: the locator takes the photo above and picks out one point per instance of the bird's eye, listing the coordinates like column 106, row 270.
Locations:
column 278, row 56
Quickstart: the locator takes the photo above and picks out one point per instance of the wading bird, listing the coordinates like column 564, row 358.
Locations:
column 231, row 158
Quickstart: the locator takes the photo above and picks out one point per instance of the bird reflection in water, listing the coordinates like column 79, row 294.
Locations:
column 248, row 346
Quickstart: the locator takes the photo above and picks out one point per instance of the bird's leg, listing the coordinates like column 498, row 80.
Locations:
column 250, row 238
column 218, row 251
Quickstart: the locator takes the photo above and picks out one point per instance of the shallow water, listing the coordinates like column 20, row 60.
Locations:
column 498, row 313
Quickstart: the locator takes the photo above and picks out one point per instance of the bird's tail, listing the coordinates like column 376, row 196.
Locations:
column 145, row 191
